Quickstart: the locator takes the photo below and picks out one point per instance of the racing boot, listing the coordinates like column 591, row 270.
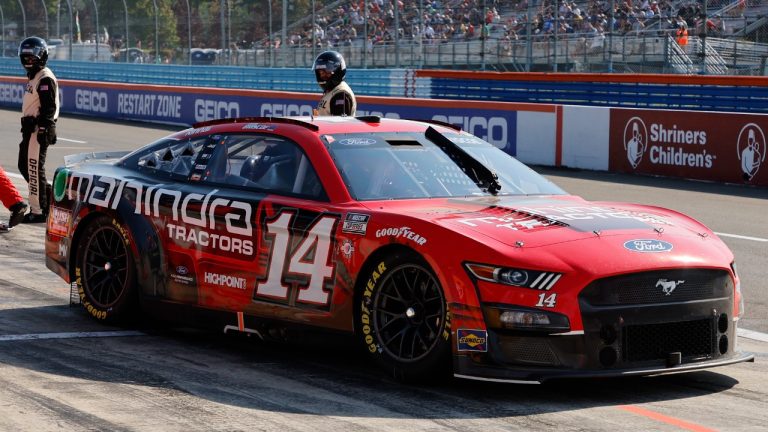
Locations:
column 17, row 213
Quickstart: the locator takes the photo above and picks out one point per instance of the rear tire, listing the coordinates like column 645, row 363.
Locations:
column 403, row 320
column 105, row 273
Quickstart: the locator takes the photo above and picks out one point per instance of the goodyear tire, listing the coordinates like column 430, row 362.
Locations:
column 402, row 318
column 104, row 271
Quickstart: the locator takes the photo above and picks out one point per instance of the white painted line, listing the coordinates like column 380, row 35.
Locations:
column 71, row 140
column 14, row 175
column 751, row 334
column 742, row 237
column 74, row 148
column 71, row 335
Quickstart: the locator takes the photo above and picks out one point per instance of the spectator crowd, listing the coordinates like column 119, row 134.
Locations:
column 441, row 21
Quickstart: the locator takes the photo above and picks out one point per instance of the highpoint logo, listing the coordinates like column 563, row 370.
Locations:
column 635, row 140
column 751, row 149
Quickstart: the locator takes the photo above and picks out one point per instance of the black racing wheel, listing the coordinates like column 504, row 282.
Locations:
column 104, row 271
column 402, row 317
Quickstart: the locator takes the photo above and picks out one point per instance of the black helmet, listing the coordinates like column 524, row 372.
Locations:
column 33, row 53
column 332, row 62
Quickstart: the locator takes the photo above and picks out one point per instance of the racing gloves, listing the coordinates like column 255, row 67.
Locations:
column 46, row 135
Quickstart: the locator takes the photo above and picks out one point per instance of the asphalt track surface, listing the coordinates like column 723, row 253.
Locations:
column 60, row 370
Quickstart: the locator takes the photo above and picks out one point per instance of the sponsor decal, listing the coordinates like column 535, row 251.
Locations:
column 208, row 109
column 347, row 248
column 259, row 126
column 281, row 109
column 365, row 313
column 668, row 285
column 63, row 250
column 635, row 140
column 207, row 239
column 649, row 246
column 668, row 144
column 11, row 93
column 716, row 147
column 472, row 340
column 751, row 150
column 191, row 215
column 356, row 223
column 401, row 232
column 182, row 276
column 91, row 100
column 201, row 130
column 492, row 129
column 226, row 281
column 96, row 313
column 357, row 141
column 581, row 218
column 58, row 223
column 153, row 105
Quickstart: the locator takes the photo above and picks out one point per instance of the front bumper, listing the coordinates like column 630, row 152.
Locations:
column 627, row 332
column 468, row 369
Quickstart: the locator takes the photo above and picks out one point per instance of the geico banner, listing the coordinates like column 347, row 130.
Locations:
column 696, row 145
column 494, row 122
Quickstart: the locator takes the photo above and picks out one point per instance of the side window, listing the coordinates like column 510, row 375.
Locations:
column 175, row 159
column 265, row 163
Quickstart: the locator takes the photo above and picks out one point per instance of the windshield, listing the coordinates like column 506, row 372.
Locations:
column 408, row 165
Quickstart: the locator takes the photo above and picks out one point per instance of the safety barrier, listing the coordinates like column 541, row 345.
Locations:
column 706, row 93
column 723, row 147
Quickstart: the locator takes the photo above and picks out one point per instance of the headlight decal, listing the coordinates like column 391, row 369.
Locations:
column 531, row 279
column 549, row 280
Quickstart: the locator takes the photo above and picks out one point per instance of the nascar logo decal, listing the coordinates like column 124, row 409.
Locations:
column 472, row 340
column 645, row 245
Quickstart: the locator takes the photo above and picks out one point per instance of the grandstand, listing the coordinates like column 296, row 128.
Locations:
column 494, row 35
column 714, row 37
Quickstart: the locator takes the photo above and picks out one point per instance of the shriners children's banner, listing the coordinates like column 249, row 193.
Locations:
column 709, row 146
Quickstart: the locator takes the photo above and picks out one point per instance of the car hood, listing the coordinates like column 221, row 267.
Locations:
column 546, row 220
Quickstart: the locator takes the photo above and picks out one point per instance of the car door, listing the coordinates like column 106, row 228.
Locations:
column 275, row 250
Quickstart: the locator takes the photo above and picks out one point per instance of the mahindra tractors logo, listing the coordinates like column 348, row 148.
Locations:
column 751, row 149
column 635, row 140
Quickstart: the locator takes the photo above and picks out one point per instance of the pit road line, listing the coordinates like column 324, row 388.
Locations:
column 69, row 335
column 757, row 239
column 665, row 419
column 751, row 334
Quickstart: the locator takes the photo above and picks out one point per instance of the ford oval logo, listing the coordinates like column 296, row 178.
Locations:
column 357, row 141
column 181, row 270
column 644, row 245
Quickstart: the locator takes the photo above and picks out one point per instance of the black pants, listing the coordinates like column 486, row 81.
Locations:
column 32, row 167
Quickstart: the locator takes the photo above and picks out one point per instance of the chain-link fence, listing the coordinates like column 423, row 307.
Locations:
column 653, row 36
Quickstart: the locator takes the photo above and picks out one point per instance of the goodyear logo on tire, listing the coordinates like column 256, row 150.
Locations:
column 472, row 340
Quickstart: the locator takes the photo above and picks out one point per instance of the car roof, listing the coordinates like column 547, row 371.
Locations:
column 317, row 125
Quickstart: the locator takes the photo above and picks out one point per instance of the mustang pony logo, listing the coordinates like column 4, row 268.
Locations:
column 751, row 149
column 635, row 140
column 668, row 285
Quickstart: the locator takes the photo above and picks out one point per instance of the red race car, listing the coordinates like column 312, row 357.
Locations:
column 437, row 250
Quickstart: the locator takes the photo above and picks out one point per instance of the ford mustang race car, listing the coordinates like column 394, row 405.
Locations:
column 437, row 250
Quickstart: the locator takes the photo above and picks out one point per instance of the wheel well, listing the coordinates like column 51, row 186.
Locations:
column 368, row 267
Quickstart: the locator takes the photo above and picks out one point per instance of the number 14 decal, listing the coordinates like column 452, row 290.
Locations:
column 309, row 264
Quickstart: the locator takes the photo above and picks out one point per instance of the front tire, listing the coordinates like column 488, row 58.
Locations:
column 104, row 271
column 403, row 319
